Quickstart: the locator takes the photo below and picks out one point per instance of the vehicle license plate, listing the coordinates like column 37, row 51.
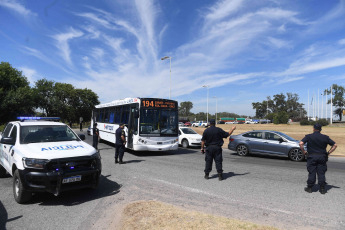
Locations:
column 71, row 179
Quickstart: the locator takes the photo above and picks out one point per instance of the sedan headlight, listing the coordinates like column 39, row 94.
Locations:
column 34, row 163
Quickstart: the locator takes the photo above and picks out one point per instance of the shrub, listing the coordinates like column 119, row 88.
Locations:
column 322, row 122
column 304, row 122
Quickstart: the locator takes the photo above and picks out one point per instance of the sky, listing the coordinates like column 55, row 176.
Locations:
column 242, row 50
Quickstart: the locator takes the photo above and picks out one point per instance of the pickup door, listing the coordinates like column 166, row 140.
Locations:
column 6, row 150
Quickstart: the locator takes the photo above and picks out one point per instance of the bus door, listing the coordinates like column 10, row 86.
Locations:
column 132, row 125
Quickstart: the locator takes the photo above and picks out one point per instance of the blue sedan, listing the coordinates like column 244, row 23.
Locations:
column 266, row 142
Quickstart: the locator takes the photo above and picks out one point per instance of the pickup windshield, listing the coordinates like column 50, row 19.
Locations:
column 46, row 133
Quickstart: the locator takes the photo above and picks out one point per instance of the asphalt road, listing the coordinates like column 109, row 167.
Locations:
column 263, row 190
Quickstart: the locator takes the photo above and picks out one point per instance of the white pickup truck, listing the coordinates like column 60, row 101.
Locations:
column 46, row 156
column 200, row 124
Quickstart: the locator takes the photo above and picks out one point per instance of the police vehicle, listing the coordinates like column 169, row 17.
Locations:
column 46, row 156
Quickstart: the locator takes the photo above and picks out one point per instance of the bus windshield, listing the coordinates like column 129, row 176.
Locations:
column 158, row 122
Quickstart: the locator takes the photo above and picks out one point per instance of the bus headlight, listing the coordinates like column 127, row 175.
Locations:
column 34, row 163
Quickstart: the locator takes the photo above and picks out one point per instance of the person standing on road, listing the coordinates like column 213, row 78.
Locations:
column 317, row 157
column 95, row 133
column 120, row 144
column 212, row 138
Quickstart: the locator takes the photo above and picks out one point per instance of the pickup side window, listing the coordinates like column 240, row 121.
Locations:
column 7, row 130
column 14, row 133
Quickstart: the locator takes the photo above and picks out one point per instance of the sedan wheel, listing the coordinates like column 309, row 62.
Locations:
column 296, row 155
column 185, row 143
column 242, row 150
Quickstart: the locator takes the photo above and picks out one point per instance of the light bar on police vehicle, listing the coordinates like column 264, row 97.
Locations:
column 37, row 118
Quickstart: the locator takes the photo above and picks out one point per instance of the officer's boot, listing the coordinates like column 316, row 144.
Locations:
column 322, row 190
column 308, row 189
column 116, row 161
column 206, row 176
column 220, row 176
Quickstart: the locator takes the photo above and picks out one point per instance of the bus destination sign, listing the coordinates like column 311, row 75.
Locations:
column 154, row 103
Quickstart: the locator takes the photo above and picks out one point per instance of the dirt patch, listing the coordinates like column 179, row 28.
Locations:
column 157, row 215
column 296, row 131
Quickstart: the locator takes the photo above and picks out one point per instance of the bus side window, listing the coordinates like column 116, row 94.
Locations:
column 117, row 115
column 111, row 115
column 125, row 114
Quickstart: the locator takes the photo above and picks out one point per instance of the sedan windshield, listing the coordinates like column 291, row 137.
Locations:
column 46, row 133
column 286, row 136
column 188, row 131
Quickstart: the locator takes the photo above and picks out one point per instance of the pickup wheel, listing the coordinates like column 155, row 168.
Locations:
column 2, row 171
column 20, row 194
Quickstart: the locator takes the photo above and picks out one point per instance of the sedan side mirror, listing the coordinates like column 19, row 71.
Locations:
column 281, row 140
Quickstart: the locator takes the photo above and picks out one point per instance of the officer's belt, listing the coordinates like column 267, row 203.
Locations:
column 318, row 154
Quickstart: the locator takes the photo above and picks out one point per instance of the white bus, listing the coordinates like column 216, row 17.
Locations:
column 151, row 123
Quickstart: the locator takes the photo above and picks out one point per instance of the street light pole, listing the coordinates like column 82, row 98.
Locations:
column 216, row 107
column 163, row 58
column 207, row 86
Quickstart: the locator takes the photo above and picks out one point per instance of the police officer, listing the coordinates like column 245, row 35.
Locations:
column 95, row 133
column 120, row 144
column 317, row 157
column 212, row 138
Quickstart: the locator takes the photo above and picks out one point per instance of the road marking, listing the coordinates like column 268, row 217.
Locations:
column 220, row 197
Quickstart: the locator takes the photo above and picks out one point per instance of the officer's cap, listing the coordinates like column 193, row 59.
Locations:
column 212, row 121
column 121, row 124
column 318, row 127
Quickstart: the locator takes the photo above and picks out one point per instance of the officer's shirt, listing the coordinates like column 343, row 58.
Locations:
column 317, row 143
column 119, row 132
column 95, row 132
column 214, row 136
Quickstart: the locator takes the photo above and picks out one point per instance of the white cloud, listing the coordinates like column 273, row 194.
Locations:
column 223, row 9
column 63, row 43
column 278, row 43
column 18, row 8
column 341, row 42
column 30, row 74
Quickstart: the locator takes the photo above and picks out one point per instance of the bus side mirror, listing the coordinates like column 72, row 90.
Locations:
column 136, row 113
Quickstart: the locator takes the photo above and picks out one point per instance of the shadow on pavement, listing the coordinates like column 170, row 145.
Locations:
column 261, row 156
column 4, row 217
column 229, row 174
column 75, row 197
column 180, row 151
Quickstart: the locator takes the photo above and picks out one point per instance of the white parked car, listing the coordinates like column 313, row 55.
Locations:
column 188, row 137
column 46, row 156
column 200, row 124
column 181, row 124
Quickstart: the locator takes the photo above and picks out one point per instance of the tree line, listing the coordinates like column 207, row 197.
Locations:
column 186, row 114
column 281, row 108
column 45, row 98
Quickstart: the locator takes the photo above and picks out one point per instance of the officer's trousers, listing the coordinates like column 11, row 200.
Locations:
column 95, row 142
column 316, row 164
column 119, row 151
column 213, row 152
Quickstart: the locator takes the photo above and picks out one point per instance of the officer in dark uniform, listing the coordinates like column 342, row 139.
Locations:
column 95, row 133
column 212, row 138
column 317, row 157
column 120, row 144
